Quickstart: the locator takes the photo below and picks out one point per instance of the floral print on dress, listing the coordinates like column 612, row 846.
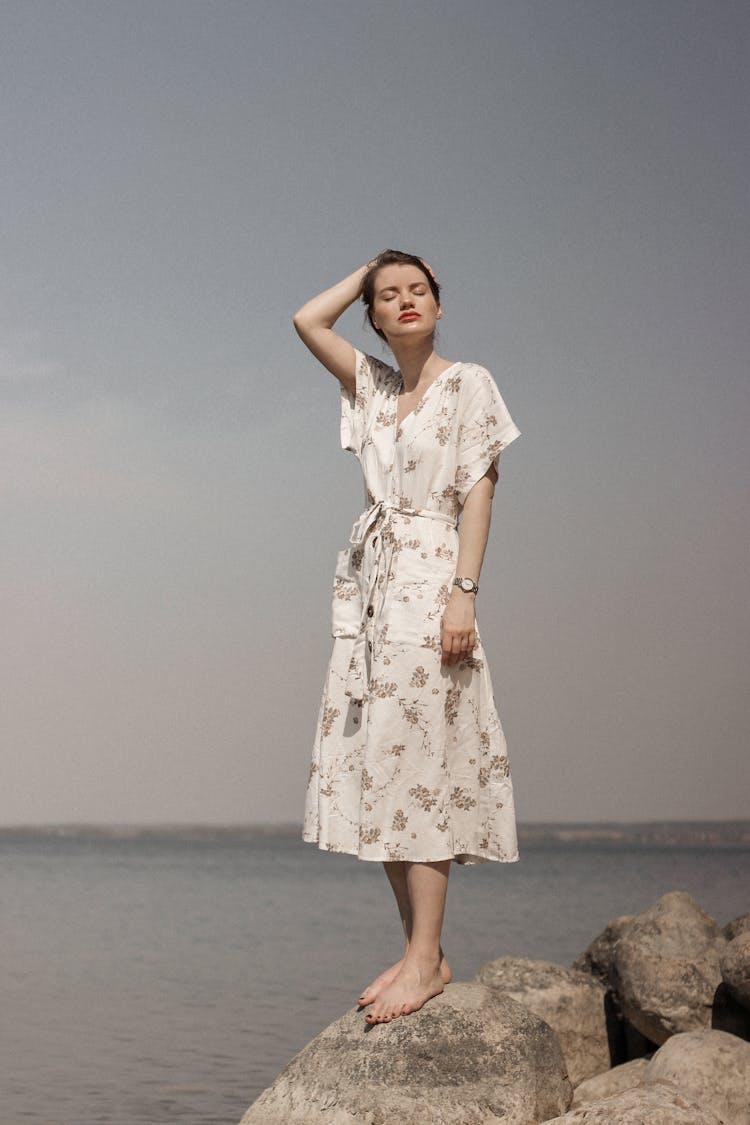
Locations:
column 409, row 760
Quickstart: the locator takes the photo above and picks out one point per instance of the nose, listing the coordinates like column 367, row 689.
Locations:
column 406, row 300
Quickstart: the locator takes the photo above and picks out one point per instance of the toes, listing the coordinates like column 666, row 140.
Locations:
column 389, row 1014
column 369, row 994
column 377, row 1017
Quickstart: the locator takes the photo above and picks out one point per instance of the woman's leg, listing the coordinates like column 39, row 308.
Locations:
column 419, row 977
column 396, row 872
column 397, row 877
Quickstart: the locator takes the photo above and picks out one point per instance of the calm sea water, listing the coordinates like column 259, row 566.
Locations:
column 169, row 981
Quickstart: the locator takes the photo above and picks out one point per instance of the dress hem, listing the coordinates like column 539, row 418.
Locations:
column 464, row 859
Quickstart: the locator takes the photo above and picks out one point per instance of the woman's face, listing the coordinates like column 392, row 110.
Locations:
column 403, row 304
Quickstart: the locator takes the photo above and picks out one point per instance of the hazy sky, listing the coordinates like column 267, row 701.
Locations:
column 178, row 177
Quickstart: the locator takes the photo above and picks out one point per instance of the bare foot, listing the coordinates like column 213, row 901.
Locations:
column 373, row 990
column 411, row 988
column 379, row 984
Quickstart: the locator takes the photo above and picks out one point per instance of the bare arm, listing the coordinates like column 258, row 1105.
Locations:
column 458, row 635
column 314, row 324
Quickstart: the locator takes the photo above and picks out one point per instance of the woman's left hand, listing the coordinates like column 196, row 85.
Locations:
column 458, row 629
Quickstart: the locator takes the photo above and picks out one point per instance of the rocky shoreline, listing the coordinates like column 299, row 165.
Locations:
column 649, row 1026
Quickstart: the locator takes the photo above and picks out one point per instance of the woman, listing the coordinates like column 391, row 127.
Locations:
column 409, row 765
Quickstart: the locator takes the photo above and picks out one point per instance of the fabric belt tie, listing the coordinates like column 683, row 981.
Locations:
column 356, row 680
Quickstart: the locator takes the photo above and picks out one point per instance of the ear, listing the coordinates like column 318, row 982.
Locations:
column 439, row 312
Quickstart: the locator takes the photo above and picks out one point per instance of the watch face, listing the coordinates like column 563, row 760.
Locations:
column 467, row 585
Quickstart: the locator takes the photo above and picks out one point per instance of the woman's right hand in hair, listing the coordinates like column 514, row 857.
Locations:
column 314, row 324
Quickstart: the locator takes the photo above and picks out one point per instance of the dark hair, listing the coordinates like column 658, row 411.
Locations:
column 393, row 258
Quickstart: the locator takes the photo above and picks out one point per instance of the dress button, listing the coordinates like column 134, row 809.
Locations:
column 370, row 610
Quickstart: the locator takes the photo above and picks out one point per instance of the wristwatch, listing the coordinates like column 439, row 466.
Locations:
column 468, row 585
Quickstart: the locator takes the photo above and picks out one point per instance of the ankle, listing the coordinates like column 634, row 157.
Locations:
column 424, row 958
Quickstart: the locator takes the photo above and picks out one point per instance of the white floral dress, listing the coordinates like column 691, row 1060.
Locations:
column 410, row 760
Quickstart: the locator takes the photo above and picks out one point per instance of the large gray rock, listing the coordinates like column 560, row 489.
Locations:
column 666, row 967
column 468, row 1057
column 625, row 1041
column 570, row 1001
column 659, row 1104
column 736, row 927
column 613, row 1081
column 597, row 958
column 735, row 968
column 712, row 1066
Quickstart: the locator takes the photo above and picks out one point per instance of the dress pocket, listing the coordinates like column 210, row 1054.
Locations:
column 346, row 603
column 411, row 615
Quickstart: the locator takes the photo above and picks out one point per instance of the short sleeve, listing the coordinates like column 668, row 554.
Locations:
column 485, row 429
column 373, row 378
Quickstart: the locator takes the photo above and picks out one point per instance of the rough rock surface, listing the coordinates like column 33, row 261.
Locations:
column 711, row 1066
column 625, row 1041
column 666, row 967
column 659, row 1104
column 469, row 1057
column 611, row 1082
column 598, row 956
column 735, row 968
column 736, row 927
column 570, row 1001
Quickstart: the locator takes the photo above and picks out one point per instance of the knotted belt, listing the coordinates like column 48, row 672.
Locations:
column 356, row 680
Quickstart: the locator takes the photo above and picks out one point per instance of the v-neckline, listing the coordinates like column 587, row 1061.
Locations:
column 421, row 399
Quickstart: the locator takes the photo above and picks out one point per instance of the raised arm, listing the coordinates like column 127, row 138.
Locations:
column 314, row 324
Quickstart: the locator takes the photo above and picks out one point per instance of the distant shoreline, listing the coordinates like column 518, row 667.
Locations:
column 660, row 834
